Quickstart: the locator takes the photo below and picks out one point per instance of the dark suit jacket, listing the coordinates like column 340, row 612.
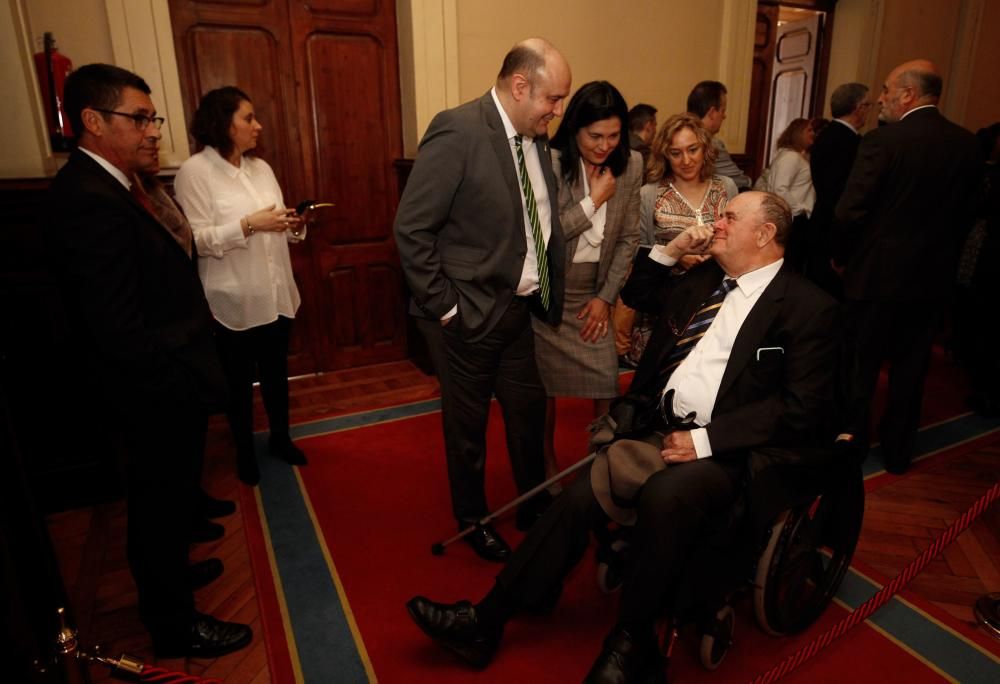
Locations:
column 460, row 223
column 137, row 305
column 768, row 398
column 831, row 159
column 906, row 209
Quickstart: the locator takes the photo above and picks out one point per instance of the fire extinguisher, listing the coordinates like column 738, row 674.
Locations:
column 53, row 68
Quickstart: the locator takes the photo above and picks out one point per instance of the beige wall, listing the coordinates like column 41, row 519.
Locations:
column 79, row 26
column 653, row 51
column 983, row 105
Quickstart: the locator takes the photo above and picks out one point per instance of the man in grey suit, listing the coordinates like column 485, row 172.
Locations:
column 482, row 250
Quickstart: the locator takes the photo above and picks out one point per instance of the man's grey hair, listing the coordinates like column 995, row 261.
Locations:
column 926, row 83
column 775, row 210
column 846, row 98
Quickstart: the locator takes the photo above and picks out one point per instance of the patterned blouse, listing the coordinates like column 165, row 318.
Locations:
column 672, row 213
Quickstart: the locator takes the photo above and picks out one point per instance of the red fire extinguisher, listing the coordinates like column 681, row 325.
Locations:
column 53, row 68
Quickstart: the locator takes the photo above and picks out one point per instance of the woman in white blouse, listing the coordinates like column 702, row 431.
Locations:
column 599, row 179
column 241, row 232
column 789, row 177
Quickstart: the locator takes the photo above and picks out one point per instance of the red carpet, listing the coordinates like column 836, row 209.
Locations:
column 379, row 495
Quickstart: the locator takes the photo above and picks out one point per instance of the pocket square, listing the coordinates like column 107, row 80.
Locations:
column 761, row 350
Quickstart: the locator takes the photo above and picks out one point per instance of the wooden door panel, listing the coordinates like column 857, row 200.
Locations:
column 217, row 52
column 344, row 8
column 364, row 325
column 351, row 145
column 324, row 79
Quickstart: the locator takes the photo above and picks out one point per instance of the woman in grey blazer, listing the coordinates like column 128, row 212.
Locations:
column 599, row 179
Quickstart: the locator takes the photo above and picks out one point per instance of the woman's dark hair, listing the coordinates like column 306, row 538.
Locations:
column 594, row 101
column 211, row 122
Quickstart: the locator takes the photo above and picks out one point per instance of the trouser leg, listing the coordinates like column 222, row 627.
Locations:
column 912, row 340
column 271, row 353
column 554, row 545
column 163, row 474
column 674, row 505
column 236, row 354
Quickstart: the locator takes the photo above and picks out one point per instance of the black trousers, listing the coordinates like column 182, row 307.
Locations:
column 502, row 363
column 165, row 453
column 264, row 349
column 674, row 507
column 902, row 333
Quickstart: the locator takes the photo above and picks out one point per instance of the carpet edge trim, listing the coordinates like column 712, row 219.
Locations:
column 359, row 642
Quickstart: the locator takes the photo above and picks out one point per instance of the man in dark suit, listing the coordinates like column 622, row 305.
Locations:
column 482, row 250
column 744, row 348
column 144, row 333
column 641, row 129
column 831, row 159
column 898, row 230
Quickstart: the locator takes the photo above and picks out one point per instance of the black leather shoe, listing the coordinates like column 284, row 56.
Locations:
column 203, row 573
column 207, row 638
column 204, row 531
column 456, row 627
column 531, row 510
column 487, row 543
column 210, row 507
column 286, row 450
column 624, row 659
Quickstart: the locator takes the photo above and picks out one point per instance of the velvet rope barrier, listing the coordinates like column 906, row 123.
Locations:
column 865, row 610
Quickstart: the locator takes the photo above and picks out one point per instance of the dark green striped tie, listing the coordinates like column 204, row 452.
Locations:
column 536, row 227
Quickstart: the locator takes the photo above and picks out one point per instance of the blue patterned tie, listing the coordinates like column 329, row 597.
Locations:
column 536, row 227
column 697, row 326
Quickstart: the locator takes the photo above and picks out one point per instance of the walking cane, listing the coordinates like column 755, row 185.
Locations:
column 438, row 548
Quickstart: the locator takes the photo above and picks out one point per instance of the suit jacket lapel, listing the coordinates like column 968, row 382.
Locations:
column 501, row 147
column 752, row 332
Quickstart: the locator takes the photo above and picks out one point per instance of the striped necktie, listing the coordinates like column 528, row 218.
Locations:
column 536, row 227
column 697, row 326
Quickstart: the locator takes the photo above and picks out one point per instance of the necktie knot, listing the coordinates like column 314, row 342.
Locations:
column 517, row 140
column 728, row 285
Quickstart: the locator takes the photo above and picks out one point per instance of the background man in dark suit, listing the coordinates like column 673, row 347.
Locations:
column 481, row 247
column 144, row 333
column 898, row 229
column 758, row 372
column 641, row 129
column 708, row 101
column 831, row 159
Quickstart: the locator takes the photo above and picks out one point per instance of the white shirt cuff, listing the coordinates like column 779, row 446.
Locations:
column 702, row 447
column 451, row 312
column 588, row 206
column 231, row 234
column 660, row 256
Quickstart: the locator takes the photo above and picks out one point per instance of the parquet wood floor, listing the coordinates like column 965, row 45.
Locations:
column 901, row 520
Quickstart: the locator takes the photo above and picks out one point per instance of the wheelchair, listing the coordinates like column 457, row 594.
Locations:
column 787, row 542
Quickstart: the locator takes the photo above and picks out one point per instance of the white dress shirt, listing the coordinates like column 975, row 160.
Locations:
column 588, row 247
column 248, row 280
column 697, row 379
column 109, row 167
column 529, row 273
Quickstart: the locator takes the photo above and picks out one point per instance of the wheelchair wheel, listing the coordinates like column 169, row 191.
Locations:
column 796, row 575
column 715, row 644
column 611, row 567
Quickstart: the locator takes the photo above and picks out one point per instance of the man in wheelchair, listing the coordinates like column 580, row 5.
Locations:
column 741, row 363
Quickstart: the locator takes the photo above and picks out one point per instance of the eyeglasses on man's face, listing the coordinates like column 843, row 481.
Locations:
column 141, row 121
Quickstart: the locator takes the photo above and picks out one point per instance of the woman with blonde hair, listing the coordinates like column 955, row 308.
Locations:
column 681, row 190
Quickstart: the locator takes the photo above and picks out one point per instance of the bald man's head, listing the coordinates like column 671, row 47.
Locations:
column 910, row 85
column 534, row 80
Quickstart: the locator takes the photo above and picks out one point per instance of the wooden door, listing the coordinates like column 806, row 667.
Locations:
column 324, row 79
column 792, row 76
